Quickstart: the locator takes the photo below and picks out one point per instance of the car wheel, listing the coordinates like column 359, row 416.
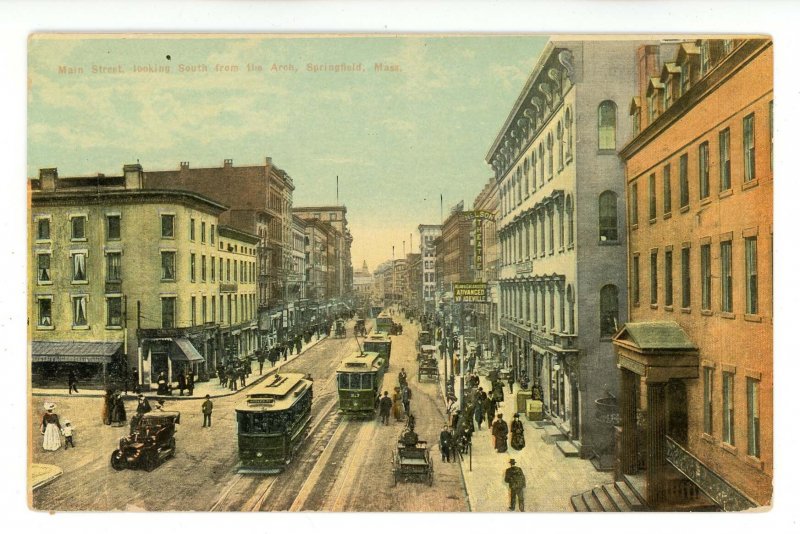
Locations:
column 117, row 461
column 149, row 462
column 172, row 445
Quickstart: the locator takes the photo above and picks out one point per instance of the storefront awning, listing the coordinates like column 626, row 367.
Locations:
column 186, row 351
column 74, row 351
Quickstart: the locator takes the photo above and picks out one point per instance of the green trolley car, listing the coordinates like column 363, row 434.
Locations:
column 359, row 379
column 384, row 323
column 272, row 421
column 380, row 343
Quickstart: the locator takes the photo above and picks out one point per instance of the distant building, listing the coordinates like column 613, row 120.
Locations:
column 427, row 234
column 487, row 317
column 341, row 267
column 696, row 359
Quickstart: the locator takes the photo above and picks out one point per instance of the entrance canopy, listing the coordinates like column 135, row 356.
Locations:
column 186, row 351
column 74, row 351
column 658, row 351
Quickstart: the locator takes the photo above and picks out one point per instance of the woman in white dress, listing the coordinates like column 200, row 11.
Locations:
column 51, row 428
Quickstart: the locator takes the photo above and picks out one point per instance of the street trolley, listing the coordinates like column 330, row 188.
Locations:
column 384, row 323
column 428, row 364
column 412, row 459
column 359, row 379
column 272, row 421
column 338, row 329
column 380, row 343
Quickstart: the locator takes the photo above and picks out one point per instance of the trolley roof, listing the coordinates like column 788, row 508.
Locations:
column 378, row 336
column 361, row 363
column 277, row 392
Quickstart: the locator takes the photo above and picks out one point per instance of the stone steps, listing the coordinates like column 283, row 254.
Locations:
column 568, row 449
column 612, row 497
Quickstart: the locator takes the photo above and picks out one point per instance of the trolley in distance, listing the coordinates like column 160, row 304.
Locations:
column 359, row 379
column 272, row 421
column 380, row 343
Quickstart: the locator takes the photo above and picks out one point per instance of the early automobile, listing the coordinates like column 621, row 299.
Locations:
column 361, row 328
column 339, row 330
column 150, row 444
column 412, row 459
column 428, row 365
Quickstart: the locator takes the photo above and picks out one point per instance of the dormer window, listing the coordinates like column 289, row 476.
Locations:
column 636, row 116
column 654, row 99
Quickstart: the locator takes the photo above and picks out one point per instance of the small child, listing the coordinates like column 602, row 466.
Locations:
column 67, row 430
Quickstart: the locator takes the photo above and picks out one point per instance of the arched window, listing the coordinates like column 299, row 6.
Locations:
column 519, row 185
column 560, row 141
column 571, row 306
column 607, row 126
column 527, row 183
column 533, row 169
column 541, row 164
column 609, row 310
column 551, row 226
column 568, row 127
column 570, row 223
column 608, row 216
column 549, row 155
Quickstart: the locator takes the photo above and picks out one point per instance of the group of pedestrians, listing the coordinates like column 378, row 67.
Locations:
column 52, row 430
column 234, row 375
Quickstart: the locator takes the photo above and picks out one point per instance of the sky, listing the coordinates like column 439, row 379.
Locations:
column 396, row 139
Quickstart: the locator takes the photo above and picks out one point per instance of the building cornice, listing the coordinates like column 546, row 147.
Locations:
column 128, row 196
column 730, row 65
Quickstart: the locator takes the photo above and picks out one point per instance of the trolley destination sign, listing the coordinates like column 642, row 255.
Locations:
column 470, row 292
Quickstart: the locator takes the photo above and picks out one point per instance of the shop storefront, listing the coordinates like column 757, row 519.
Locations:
column 94, row 363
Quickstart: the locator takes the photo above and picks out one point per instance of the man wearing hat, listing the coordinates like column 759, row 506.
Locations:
column 515, row 479
column 207, row 407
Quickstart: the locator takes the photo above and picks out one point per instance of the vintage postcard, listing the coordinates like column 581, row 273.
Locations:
column 422, row 273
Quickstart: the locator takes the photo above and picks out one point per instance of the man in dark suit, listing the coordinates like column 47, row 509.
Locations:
column 515, row 479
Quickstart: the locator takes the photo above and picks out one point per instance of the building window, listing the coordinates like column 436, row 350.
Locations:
column 203, row 268
column 194, row 310
column 79, row 317
column 167, row 265
column 753, row 419
column 570, row 224
column 727, row 408
column 705, row 276
column 113, row 227
column 235, row 271
column 78, row 225
column 635, row 279
column 651, row 193
column 114, row 311
column 726, row 276
column 684, row 177
column 705, row 57
column 667, row 190
column 560, row 141
column 45, row 305
column 751, row 272
column 79, row 267
column 213, row 269
column 203, row 309
column 228, row 270
column 608, row 215
column 654, row 277
column 43, row 229
column 191, row 229
column 708, row 400
column 192, row 267
column 686, row 281
column 725, row 159
column 211, row 235
column 214, row 308
column 702, row 160
column 551, row 221
column 749, row 146
column 43, row 268
column 167, row 312
column 609, row 310
column 667, row 278
column 541, row 164
column 203, row 232
column 168, row 226
column 607, row 126
column 114, row 266
column 571, row 304
column 568, row 127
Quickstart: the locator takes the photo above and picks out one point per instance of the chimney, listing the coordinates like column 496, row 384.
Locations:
column 228, row 163
column 269, row 161
column 133, row 176
column 48, row 179
column 184, row 165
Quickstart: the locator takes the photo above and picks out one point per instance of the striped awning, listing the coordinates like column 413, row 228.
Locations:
column 186, row 351
column 74, row 351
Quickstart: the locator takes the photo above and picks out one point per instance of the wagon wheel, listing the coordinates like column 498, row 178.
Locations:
column 117, row 461
column 172, row 448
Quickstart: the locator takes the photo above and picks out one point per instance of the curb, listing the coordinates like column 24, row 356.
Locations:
column 131, row 396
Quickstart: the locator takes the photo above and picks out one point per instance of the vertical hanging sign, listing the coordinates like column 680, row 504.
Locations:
column 478, row 244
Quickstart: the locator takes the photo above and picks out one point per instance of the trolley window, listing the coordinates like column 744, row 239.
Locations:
column 263, row 423
column 356, row 380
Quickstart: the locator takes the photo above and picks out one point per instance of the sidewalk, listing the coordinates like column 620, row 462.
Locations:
column 201, row 389
column 551, row 477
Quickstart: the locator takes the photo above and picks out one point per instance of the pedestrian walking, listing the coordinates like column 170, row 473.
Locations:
column 223, row 379
column 515, row 479
column 207, row 408
column 500, row 434
column 243, row 375
column 181, row 383
column 385, row 407
column 118, row 414
column 406, row 398
column 108, row 405
column 397, row 404
column 72, row 382
column 67, row 431
column 445, row 443
column 511, row 383
column 490, row 407
column 190, row 383
column 517, row 434
column 50, row 428
column 260, row 363
column 163, row 386
column 402, row 377
column 135, row 380
column 479, row 409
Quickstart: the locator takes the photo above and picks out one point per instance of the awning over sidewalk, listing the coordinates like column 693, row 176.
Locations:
column 186, row 351
column 74, row 351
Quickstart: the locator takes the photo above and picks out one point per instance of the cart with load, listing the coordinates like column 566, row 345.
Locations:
column 412, row 460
